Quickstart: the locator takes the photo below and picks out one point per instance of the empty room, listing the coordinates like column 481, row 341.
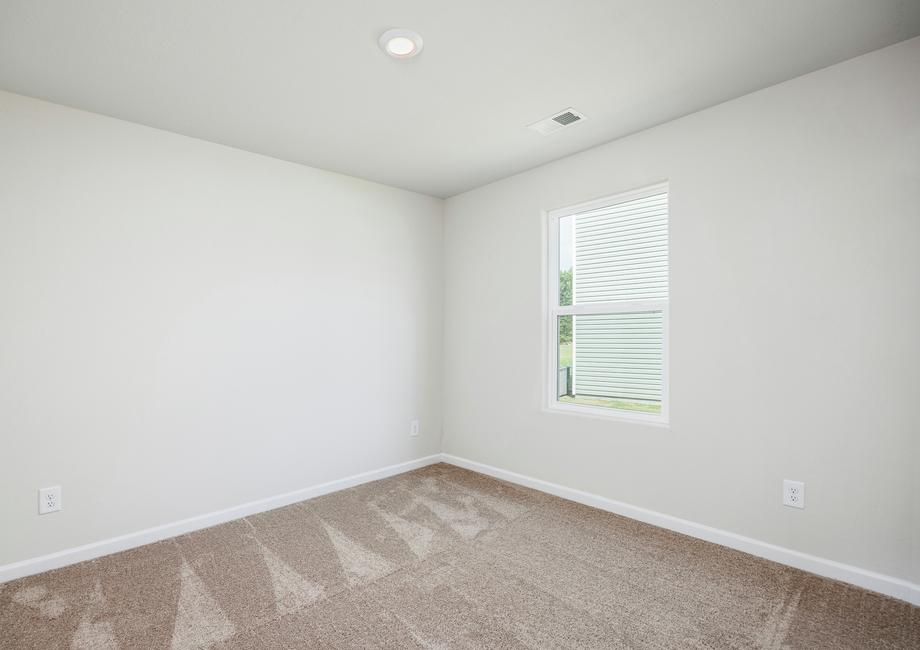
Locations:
column 426, row 324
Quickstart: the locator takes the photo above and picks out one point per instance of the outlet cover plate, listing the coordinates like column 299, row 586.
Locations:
column 49, row 499
column 793, row 494
column 413, row 428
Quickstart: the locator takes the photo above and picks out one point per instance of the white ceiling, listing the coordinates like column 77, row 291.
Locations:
column 305, row 81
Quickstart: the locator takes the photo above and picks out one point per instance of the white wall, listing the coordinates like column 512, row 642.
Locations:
column 795, row 298
column 186, row 327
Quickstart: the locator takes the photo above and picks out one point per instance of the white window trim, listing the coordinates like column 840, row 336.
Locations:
column 553, row 311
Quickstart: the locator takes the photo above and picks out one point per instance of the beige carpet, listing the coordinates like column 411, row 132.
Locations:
column 442, row 558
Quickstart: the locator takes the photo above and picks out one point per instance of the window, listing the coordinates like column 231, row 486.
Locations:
column 608, row 306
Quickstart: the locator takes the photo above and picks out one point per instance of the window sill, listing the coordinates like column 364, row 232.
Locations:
column 615, row 415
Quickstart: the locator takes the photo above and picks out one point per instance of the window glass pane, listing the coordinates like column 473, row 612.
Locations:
column 611, row 360
column 564, row 358
column 620, row 252
column 566, row 253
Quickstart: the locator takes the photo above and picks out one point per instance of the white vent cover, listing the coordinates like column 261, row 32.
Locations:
column 555, row 122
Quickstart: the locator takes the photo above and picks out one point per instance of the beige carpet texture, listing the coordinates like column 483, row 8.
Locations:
column 442, row 558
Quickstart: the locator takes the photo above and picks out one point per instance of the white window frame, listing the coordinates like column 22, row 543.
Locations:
column 554, row 311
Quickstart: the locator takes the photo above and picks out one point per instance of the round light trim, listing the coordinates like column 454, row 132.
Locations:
column 401, row 43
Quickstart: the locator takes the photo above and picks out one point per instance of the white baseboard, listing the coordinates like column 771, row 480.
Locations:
column 157, row 533
column 888, row 585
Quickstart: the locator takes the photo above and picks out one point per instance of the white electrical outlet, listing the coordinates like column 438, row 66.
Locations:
column 49, row 500
column 413, row 428
column 793, row 494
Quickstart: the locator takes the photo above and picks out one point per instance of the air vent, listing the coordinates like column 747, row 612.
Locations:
column 555, row 122
column 566, row 118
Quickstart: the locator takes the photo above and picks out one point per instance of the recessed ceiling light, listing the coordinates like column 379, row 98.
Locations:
column 401, row 43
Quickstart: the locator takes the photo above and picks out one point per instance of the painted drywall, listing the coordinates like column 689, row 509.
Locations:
column 186, row 327
column 795, row 298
